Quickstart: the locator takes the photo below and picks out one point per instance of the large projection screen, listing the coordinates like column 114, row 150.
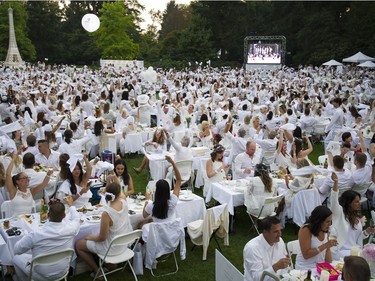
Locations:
column 264, row 50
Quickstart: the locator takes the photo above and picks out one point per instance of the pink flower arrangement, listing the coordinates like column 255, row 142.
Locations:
column 369, row 252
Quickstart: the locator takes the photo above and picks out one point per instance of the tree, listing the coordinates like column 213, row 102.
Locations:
column 25, row 46
column 175, row 18
column 111, row 37
column 46, row 16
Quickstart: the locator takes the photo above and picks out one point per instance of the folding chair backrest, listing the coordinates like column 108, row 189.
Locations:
column 269, row 275
column 293, row 247
column 322, row 159
column 185, row 168
column 53, row 258
column 362, row 188
column 6, row 209
column 125, row 239
column 217, row 216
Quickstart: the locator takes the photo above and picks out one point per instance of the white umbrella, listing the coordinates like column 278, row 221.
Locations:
column 368, row 63
column 358, row 57
column 332, row 63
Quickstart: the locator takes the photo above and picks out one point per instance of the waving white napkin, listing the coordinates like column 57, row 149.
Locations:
column 104, row 166
column 73, row 159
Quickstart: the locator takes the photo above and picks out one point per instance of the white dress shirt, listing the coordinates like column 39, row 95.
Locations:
column 244, row 161
column 363, row 175
column 53, row 236
column 344, row 180
column 259, row 256
column 52, row 161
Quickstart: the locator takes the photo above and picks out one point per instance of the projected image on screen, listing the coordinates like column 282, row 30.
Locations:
column 264, row 53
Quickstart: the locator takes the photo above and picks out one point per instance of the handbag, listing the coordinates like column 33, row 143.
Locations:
column 138, row 260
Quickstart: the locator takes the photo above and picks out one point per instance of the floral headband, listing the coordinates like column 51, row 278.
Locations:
column 110, row 195
column 56, row 200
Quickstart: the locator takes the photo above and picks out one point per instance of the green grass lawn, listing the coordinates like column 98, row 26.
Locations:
column 193, row 268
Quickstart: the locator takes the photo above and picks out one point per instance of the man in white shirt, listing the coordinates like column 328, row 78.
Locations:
column 265, row 252
column 31, row 145
column 238, row 143
column 307, row 122
column 86, row 105
column 245, row 162
column 268, row 147
column 55, row 235
column 344, row 178
column 47, row 157
column 363, row 171
column 336, row 123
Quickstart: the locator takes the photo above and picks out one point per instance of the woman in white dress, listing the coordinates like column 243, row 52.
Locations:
column 205, row 134
column 157, row 144
column 347, row 220
column 216, row 170
column 20, row 195
column 313, row 239
column 125, row 179
column 75, row 183
column 261, row 187
column 114, row 221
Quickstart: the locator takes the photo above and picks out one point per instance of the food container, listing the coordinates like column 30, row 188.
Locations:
column 333, row 273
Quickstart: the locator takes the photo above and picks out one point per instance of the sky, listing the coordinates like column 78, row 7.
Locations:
column 155, row 5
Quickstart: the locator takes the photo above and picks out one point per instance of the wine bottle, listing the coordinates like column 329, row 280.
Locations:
column 43, row 211
column 308, row 278
column 325, row 164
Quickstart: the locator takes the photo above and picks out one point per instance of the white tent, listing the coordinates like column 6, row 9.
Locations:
column 332, row 63
column 358, row 57
column 368, row 63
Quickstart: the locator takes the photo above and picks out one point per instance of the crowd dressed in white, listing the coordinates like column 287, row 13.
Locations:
column 247, row 118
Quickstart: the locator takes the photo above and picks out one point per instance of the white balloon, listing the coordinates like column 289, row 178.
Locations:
column 90, row 22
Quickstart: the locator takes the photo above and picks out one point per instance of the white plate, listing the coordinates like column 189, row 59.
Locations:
column 184, row 198
column 94, row 219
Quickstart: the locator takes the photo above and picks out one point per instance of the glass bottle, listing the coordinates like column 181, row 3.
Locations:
column 43, row 211
column 308, row 278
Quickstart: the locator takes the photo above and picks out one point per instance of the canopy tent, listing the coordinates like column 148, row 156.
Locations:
column 368, row 63
column 358, row 57
column 332, row 63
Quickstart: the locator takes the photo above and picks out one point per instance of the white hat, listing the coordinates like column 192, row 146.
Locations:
column 142, row 99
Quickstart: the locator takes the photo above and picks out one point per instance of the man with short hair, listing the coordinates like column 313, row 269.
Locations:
column 344, row 178
column 46, row 156
column 356, row 269
column 245, row 162
column 31, row 145
column 55, row 235
column 266, row 252
column 238, row 142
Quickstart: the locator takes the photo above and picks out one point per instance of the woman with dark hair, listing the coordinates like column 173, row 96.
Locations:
column 297, row 148
column 20, row 194
column 261, row 186
column 347, row 220
column 125, row 179
column 114, row 221
column 72, row 146
column 313, row 239
column 75, row 184
column 163, row 208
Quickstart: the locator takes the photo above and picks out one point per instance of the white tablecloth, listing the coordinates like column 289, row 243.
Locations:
column 187, row 210
column 226, row 194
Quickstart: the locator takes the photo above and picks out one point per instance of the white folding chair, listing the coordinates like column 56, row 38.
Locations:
column 186, row 170
column 293, row 248
column 163, row 239
column 50, row 259
column 362, row 189
column 268, row 201
column 303, row 203
column 6, row 209
column 269, row 275
column 125, row 256
column 322, row 159
column 215, row 223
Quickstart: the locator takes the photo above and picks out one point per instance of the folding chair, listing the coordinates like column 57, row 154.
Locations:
column 362, row 189
column 293, row 248
column 163, row 239
column 186, row 171
column 215, row 223
column 268, row 201
column 50, row 259
column 125, row 256
column 270, row 275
